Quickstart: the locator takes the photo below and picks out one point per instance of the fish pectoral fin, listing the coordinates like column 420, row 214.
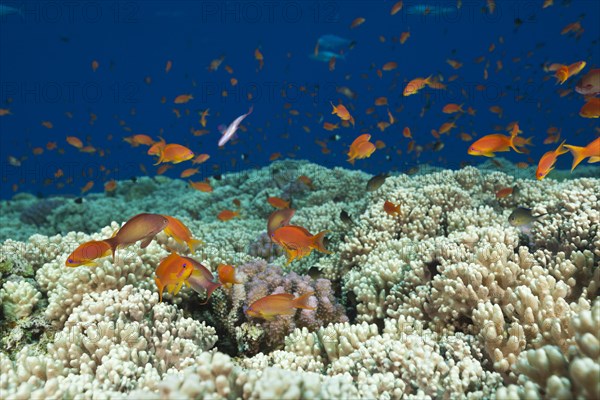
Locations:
column 170, row 287
column 178, row 288
column 146, row 242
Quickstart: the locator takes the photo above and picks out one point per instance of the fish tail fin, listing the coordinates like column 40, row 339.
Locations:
column 210, row 287
column 579, row 154
column 302, row 301
column 160, row 289
column 193, row 244
column 318, row 242
column 511, row 143
column 334, row 107
column 113, row 245
column 562, row 149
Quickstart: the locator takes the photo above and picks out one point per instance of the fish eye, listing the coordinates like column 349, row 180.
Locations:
column 70, row 260
column 184, row 265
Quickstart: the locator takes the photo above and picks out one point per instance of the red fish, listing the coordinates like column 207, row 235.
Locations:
column 140, row 227
column 298, row 242
column 171, row 273
column 592, row 151
column 279, row 218
column 361, row 148
column 181, row 233
column 546, row 163
column 278, row 202
column 269, row 307
column 490, row 144
column 341, row 111
column 87, row 252
column 227, row 275
column 201, row 279
column 174, row 153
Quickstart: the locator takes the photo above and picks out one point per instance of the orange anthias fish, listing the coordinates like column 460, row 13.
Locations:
column 200, row 158
column 357, row 22
column 564, row 72
column 258, row 56
column 341, row 111
column 452, row 108
column 391, row 208
column 175, row 153
column 137, row 140
column 201, row 186
column 188, row 172
column 298, row 242
column 110, row 186
column 75, row 142
column 505, row 192
column 183, row 98
column 270, row 306
column 227, row 275
column 171, row 273
column 203, row 117
column 591, row 109
column 548, row 160
column 361, row 148
column 278, row 202
column 157, row 148
column 181, row 233
column 415, row 85
column 490, row 144
column 279, row 218
column 87, row 252
column 226, row 215
column 592, row 151
column 201, row 279
column 140, row 227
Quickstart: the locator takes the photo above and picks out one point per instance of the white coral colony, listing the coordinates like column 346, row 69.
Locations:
column 444, row 299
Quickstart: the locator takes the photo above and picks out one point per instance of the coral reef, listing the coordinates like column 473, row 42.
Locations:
column 445, row 299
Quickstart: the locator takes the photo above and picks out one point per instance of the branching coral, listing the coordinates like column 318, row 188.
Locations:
column 113, row 341
column 259, row 280
column 444, row 300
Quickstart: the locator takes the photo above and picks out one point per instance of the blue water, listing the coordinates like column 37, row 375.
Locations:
column 46, row 51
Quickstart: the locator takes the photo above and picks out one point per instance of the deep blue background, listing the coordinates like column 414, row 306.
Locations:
column 45, row 68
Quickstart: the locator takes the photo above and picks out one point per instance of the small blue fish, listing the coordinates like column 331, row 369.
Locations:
column 334, row 43
column 427, row 9
column 325, row 56
column 7, row 10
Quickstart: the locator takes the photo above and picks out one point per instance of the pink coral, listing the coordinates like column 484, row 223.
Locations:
column 262, row 279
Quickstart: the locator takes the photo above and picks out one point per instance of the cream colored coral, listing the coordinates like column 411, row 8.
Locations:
column 113, row 341
column 65, row 287
column 18, row 299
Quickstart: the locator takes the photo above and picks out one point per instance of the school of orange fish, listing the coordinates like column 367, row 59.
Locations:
column 174, row 153
column 175, row 270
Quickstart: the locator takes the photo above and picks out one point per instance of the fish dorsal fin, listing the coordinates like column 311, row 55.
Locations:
column 285, row 296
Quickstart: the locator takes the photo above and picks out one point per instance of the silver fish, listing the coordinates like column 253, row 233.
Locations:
column 230, row 130
column 7, row 10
